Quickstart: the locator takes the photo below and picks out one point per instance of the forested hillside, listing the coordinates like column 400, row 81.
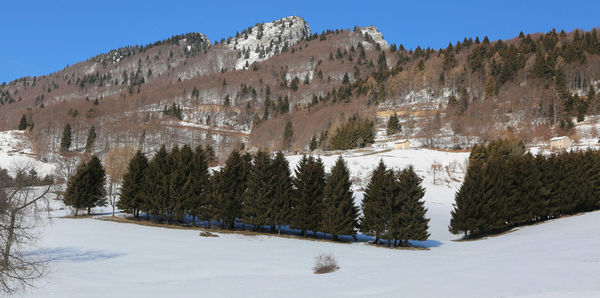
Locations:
column 241, row 91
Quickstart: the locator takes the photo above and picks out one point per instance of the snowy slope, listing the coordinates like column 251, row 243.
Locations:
column 94, row 258
column 15, row 152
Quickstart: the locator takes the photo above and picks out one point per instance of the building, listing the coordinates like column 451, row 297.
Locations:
column 402, row 144
column 560, row 143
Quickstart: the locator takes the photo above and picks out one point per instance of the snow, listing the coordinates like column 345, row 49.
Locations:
column 97, row 258
column 376, row 35
column 290, row 29
column 15, row 152
column 558, row 138
column 107, row 259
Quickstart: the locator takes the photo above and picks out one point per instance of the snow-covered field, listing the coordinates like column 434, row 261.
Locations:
column 96, row 258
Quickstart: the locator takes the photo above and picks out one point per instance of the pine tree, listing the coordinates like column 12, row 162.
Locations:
column 229, row 187
column 158, row 174
column 393, row 125
column 86, row 188
column 280, row 210
column 181, row 160
column 466, row 205
column 346, row 79
column 22, row 123
column 198, row 201
column 97, row 179
column 76, row 191
column 314, row 143
column 134, row 185
column 412, row 213
column 65, row 142
column 91, row 138
column 288, row 135
column 308, row 200
column 380, row 190
column 259, row 196
column 339, row 213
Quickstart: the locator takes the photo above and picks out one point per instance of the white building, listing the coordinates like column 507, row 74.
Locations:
column 560, row 143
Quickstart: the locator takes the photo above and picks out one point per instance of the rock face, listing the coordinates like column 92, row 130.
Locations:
column 374, row 33
column 267, row 39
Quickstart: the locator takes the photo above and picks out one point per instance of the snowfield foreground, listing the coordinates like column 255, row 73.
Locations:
column 97, row 258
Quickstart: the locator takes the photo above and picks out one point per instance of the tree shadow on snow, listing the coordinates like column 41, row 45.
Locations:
column 72, row 254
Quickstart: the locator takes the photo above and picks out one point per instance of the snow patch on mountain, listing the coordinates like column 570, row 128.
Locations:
column 267, row 39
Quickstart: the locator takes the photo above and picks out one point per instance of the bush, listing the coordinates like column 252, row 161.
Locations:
column 325, row 263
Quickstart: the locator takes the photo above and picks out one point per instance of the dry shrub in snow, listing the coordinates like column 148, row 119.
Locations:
column 325, row 263
column 208, row 234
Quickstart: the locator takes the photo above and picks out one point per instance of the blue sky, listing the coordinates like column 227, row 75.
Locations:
column 40, row 37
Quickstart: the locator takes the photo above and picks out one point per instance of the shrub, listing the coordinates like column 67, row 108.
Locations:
column 325, row 263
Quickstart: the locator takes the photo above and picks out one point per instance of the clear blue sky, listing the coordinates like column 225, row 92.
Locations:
column 40, row 37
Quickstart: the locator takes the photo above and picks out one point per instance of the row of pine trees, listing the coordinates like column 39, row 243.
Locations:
column 259, row 191
column 506, row 187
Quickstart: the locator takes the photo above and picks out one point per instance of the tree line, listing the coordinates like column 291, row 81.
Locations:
column 260, row 191
column 507, row 187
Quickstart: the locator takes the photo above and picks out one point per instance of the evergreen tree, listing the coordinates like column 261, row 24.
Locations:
column 86, row 188
column 22, row 123
column 346, row 79
column 259, row 196
column 314, row 143
column 308, row 200
column 393, row 125
column 412, row 212
column 280, row 210
column 379, row 191
column 134, row 185
column 158, row 175
column 91, row 138
column 181, row 160
column 76, row 191
column 357, row 132
column 229, row 188
column 198, row 201
column 65, row 142
column 339, row 213
column 288, row 135
column 466, row 201
column 97, row 179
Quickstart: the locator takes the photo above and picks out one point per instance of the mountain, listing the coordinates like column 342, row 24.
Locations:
column 241, row 90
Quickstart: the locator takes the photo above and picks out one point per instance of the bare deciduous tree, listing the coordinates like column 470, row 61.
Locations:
column 435, row 168
column 116, row 163
column 22, row 200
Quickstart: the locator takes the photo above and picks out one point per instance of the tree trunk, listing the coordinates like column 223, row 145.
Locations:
column 279, row 229
column 110, row 197
column 9, row 238
column 89, row 210
column 76, row 210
